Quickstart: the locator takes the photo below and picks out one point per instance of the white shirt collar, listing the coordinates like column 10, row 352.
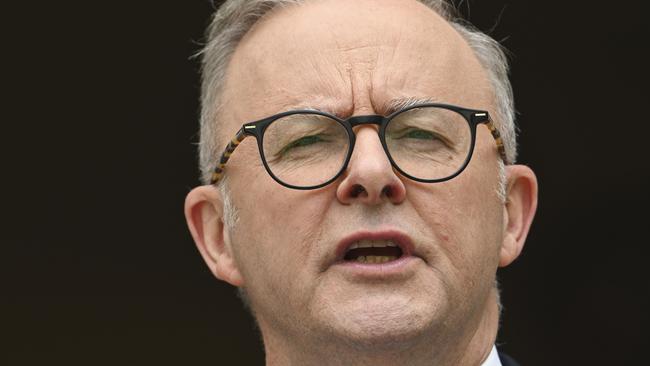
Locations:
column 492, row 359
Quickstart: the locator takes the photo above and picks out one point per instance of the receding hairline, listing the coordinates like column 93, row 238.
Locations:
column 249, row 43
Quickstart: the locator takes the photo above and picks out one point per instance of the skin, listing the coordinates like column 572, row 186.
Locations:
column 352, row 58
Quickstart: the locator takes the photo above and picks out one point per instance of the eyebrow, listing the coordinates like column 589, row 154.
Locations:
column 312, row 107
column 385, row 108
column 396, row 104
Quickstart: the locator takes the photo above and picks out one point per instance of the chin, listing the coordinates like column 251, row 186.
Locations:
column 385, row 322
column 383, row 336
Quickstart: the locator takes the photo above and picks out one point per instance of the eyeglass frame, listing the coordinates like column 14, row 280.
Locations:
column 258, row 128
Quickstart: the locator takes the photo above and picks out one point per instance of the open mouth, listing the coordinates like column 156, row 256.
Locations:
column 373, row 251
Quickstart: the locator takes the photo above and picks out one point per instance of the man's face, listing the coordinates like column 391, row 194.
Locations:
column 353, row 58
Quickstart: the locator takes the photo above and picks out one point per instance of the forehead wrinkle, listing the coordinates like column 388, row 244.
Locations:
column 390, row 60
column 439, row 62
column 273, row 96
column 269, row 57
column 409, row 87
column 327, row 77
column 321, row 63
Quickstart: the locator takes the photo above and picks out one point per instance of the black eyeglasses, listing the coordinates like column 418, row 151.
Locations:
column 307, row 149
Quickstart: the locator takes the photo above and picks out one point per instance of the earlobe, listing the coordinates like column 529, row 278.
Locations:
column 204, row 215
column 519, row 211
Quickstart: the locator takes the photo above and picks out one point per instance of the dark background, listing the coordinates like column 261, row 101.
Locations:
column 98, row 131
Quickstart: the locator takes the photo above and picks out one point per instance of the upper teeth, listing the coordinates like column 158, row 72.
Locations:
column 372, row 243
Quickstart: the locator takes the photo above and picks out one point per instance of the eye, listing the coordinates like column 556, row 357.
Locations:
column 420, row 139
column 418, row 134
column 302, row 142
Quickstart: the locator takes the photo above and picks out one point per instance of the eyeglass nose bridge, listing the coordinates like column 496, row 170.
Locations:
column 372, row 119
column 364, row 120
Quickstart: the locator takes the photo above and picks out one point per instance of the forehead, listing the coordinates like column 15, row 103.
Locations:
column 345, row 56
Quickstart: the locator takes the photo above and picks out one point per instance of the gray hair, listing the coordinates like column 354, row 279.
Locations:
column 235, row 18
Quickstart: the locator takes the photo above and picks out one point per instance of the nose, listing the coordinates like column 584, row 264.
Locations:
column 369, row 177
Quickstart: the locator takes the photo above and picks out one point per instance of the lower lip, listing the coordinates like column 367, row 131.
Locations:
column 400, row 267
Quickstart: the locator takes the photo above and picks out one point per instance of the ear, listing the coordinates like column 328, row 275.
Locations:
column 519, row 210
column 204, row 215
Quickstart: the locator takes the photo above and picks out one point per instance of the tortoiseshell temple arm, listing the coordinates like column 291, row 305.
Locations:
column 497, row 138
column 483, row 117
column 218, row 171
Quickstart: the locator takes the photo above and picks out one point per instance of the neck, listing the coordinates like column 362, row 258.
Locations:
column 470, row 348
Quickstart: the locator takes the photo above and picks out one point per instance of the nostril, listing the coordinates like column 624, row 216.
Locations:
column 387, row 191
column 357, row 189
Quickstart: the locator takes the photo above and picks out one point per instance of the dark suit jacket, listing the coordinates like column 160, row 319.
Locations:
column 507, row 360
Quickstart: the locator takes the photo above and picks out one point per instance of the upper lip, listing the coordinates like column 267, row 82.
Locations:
column 403, row 241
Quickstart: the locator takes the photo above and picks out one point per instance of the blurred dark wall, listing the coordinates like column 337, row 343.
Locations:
column 98, row 132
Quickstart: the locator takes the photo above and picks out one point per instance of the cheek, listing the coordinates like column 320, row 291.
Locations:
column 275, row 239
column 464, row 215
column 481, row 219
